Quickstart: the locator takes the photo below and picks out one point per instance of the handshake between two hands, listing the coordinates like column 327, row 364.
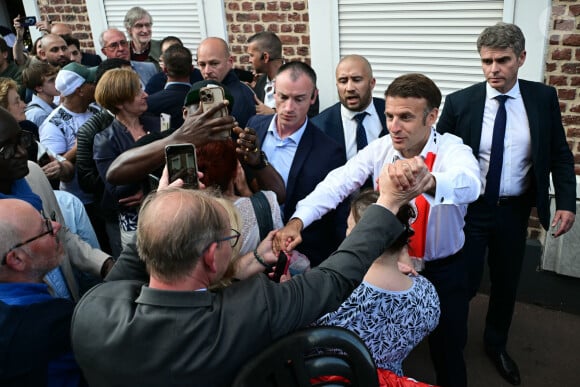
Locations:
column 404, row 180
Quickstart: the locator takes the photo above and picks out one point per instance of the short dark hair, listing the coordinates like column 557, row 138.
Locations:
column 296, row 68
column 110, row 64
column 69, row 39
column 3, row 45
column 177, row 60
column 169, row 39
column 502, row 35
column 415, row 85
column 268, row 42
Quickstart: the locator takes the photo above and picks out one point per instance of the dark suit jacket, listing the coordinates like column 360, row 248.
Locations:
column 260, row 93
column 170, row 101
column 90, row 60
column 203, row 338
column 317, row 154
column 463, row 116
column 330, row 120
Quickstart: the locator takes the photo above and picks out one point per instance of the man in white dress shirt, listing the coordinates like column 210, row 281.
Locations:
column 412, row 106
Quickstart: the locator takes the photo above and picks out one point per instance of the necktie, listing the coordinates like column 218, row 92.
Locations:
column 361, row 135
column 418, row 240
column 493, row 177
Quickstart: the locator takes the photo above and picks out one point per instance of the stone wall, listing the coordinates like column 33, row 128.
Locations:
column 287, row 19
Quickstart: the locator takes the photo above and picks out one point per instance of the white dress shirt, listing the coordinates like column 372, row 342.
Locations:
column 517, row 154
column 269, row 99
column 455, row 169
column 372, row 124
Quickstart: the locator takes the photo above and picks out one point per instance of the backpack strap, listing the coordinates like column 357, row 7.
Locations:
column 263, row 213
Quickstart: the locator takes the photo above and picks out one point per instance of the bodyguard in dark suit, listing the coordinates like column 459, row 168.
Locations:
column 177, row 60
column 265, row 52
column 354, row 84
column 515, row 130
column 302, row 154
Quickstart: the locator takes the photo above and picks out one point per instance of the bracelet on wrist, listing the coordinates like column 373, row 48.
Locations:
column 261, row 260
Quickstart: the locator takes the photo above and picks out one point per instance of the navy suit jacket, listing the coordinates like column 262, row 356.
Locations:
column 170, row 101
column 463, row 115
column 330, row 121
column 315, row 157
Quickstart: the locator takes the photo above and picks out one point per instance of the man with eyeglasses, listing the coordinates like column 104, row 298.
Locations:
column 114, row 44
column 20, row 179
column 35, row 326
column 138, row 23
column 203, row 336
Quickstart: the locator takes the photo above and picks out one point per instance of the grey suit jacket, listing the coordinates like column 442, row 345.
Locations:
column 463, row 115
column 204, row 337
column 78, row 252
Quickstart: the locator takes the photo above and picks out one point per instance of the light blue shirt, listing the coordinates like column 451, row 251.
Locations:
column 37, row 110
column 76, row 218
column 281, row 151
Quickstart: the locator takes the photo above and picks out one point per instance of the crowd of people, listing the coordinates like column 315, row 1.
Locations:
column 386, row 210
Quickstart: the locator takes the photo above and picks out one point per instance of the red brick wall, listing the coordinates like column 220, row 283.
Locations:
column 72, row 12
column 288, row 19
column 563, row 72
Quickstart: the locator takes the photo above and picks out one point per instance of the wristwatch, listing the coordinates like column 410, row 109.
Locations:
column 262, row 164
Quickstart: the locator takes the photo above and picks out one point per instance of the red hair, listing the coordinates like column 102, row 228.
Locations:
column 218, row 162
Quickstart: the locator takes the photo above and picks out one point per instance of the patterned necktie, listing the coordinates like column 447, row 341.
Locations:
column 361, row 135
column 493, row 177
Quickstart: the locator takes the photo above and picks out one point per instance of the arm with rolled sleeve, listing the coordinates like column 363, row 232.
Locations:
column 342, row 181
column 456, row 173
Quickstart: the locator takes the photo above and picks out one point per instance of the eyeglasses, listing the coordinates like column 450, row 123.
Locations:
column 142, row 25
column 49, row 230
column 116, row 45
column 9, row 150
column 232, row 238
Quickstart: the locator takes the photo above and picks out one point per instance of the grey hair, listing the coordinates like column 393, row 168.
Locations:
column 135, row 14
column 502, row 35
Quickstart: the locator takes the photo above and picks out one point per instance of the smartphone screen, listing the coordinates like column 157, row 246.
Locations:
column 182, row 164
column 28, row 21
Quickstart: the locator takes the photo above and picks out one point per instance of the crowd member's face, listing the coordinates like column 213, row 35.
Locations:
column 3, row 59
column 16, row 106
column 116, row 45
column 141, row 30
column 44, row 253
column 213, row 61
column 136, row 106
column 354, row 84
column 293, row 99
column 14, row 167
column 54, row 50
column 500, row 67
column 48, row 87
column 408, row 127
column 74, row 54
column 256, row 58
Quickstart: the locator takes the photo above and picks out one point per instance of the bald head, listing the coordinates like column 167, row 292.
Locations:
column 54, row 50
column 214, row 59
column 60, row 29
column 175, row 227
column 39, row 250
column 355, row 82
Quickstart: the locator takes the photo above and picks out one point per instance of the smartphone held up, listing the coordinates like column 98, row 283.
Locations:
column 182, row 164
